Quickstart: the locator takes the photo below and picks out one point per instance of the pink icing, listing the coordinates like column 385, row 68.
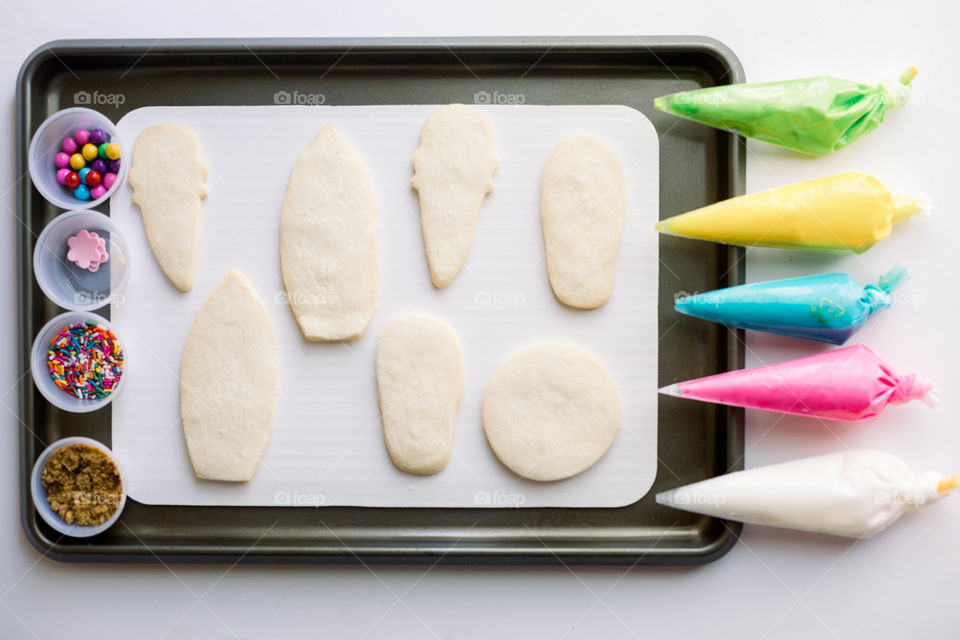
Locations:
column 851, row 384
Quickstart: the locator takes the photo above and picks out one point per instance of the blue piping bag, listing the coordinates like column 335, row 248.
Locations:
column 827, row 308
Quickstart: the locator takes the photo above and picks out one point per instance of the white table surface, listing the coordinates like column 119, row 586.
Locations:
column 773, row 584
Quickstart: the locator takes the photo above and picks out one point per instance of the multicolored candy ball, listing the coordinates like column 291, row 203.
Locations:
column 69, row 146
column 98, row 192
column 89, row 152
column 82, row 192
column 61, row 160
column 114, row 166
column 93, row 178
column 82, row 136
column 77, row 162
column 98, row 137
column 100, row 166
column 113, row 151
column 72, row 180
column 108, row 180
column 83, row 174
column 62, row 176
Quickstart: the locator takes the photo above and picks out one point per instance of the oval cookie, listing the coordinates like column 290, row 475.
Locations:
column 419, row 385
column 583, row 202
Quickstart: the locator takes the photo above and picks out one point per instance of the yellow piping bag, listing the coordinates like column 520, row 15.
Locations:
column 843, row 213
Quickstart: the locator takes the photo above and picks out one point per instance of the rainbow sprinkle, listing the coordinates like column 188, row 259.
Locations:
column 85, row 360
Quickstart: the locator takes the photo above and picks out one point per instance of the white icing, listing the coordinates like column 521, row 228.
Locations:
column 852, row 493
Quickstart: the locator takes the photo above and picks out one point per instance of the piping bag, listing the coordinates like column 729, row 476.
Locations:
column 828, row 308
column 851, row 384
column 853, row 493
column 810, row 115
column 844, row 213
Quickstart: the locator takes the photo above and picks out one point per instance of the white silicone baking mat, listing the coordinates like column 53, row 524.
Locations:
column 327, row 446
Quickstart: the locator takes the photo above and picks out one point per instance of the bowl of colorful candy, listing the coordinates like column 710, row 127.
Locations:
column 76, row 158
column 78, row 361
column 81, row 260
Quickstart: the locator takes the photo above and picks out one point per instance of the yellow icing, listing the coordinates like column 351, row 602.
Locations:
column 843, row 213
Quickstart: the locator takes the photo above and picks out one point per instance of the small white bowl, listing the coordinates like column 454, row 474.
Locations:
column 45, row 145
column 41, row 376
column 40, row 494
column 65, row 283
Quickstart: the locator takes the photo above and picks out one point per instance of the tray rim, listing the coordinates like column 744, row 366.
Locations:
column 372, row 553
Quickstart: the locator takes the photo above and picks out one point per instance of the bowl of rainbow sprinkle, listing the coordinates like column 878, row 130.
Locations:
column 78, row 362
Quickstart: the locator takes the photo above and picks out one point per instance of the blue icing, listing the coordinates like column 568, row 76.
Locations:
column 827, row 308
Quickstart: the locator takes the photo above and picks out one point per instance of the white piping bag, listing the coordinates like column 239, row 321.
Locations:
column 852, row 493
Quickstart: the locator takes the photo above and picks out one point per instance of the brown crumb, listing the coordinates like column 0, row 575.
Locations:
column 83, row 484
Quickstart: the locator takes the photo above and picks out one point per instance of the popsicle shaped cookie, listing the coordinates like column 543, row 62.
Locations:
column 167, row 177
column 453, row 173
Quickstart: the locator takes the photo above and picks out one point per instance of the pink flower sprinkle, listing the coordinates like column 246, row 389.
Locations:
column 87, row 250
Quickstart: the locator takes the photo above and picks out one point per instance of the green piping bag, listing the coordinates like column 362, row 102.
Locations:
column 811, row 115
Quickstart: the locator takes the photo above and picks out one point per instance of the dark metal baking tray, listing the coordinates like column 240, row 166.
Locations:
column 698, row 165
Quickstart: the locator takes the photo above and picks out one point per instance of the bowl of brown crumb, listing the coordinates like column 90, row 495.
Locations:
column 78, row 487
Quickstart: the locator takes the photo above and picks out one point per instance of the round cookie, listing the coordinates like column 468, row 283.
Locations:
column 550, row 411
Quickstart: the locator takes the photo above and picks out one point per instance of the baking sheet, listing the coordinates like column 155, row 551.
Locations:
column 327, row 448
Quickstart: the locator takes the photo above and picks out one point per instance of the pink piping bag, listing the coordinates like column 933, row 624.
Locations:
column 852, row 384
